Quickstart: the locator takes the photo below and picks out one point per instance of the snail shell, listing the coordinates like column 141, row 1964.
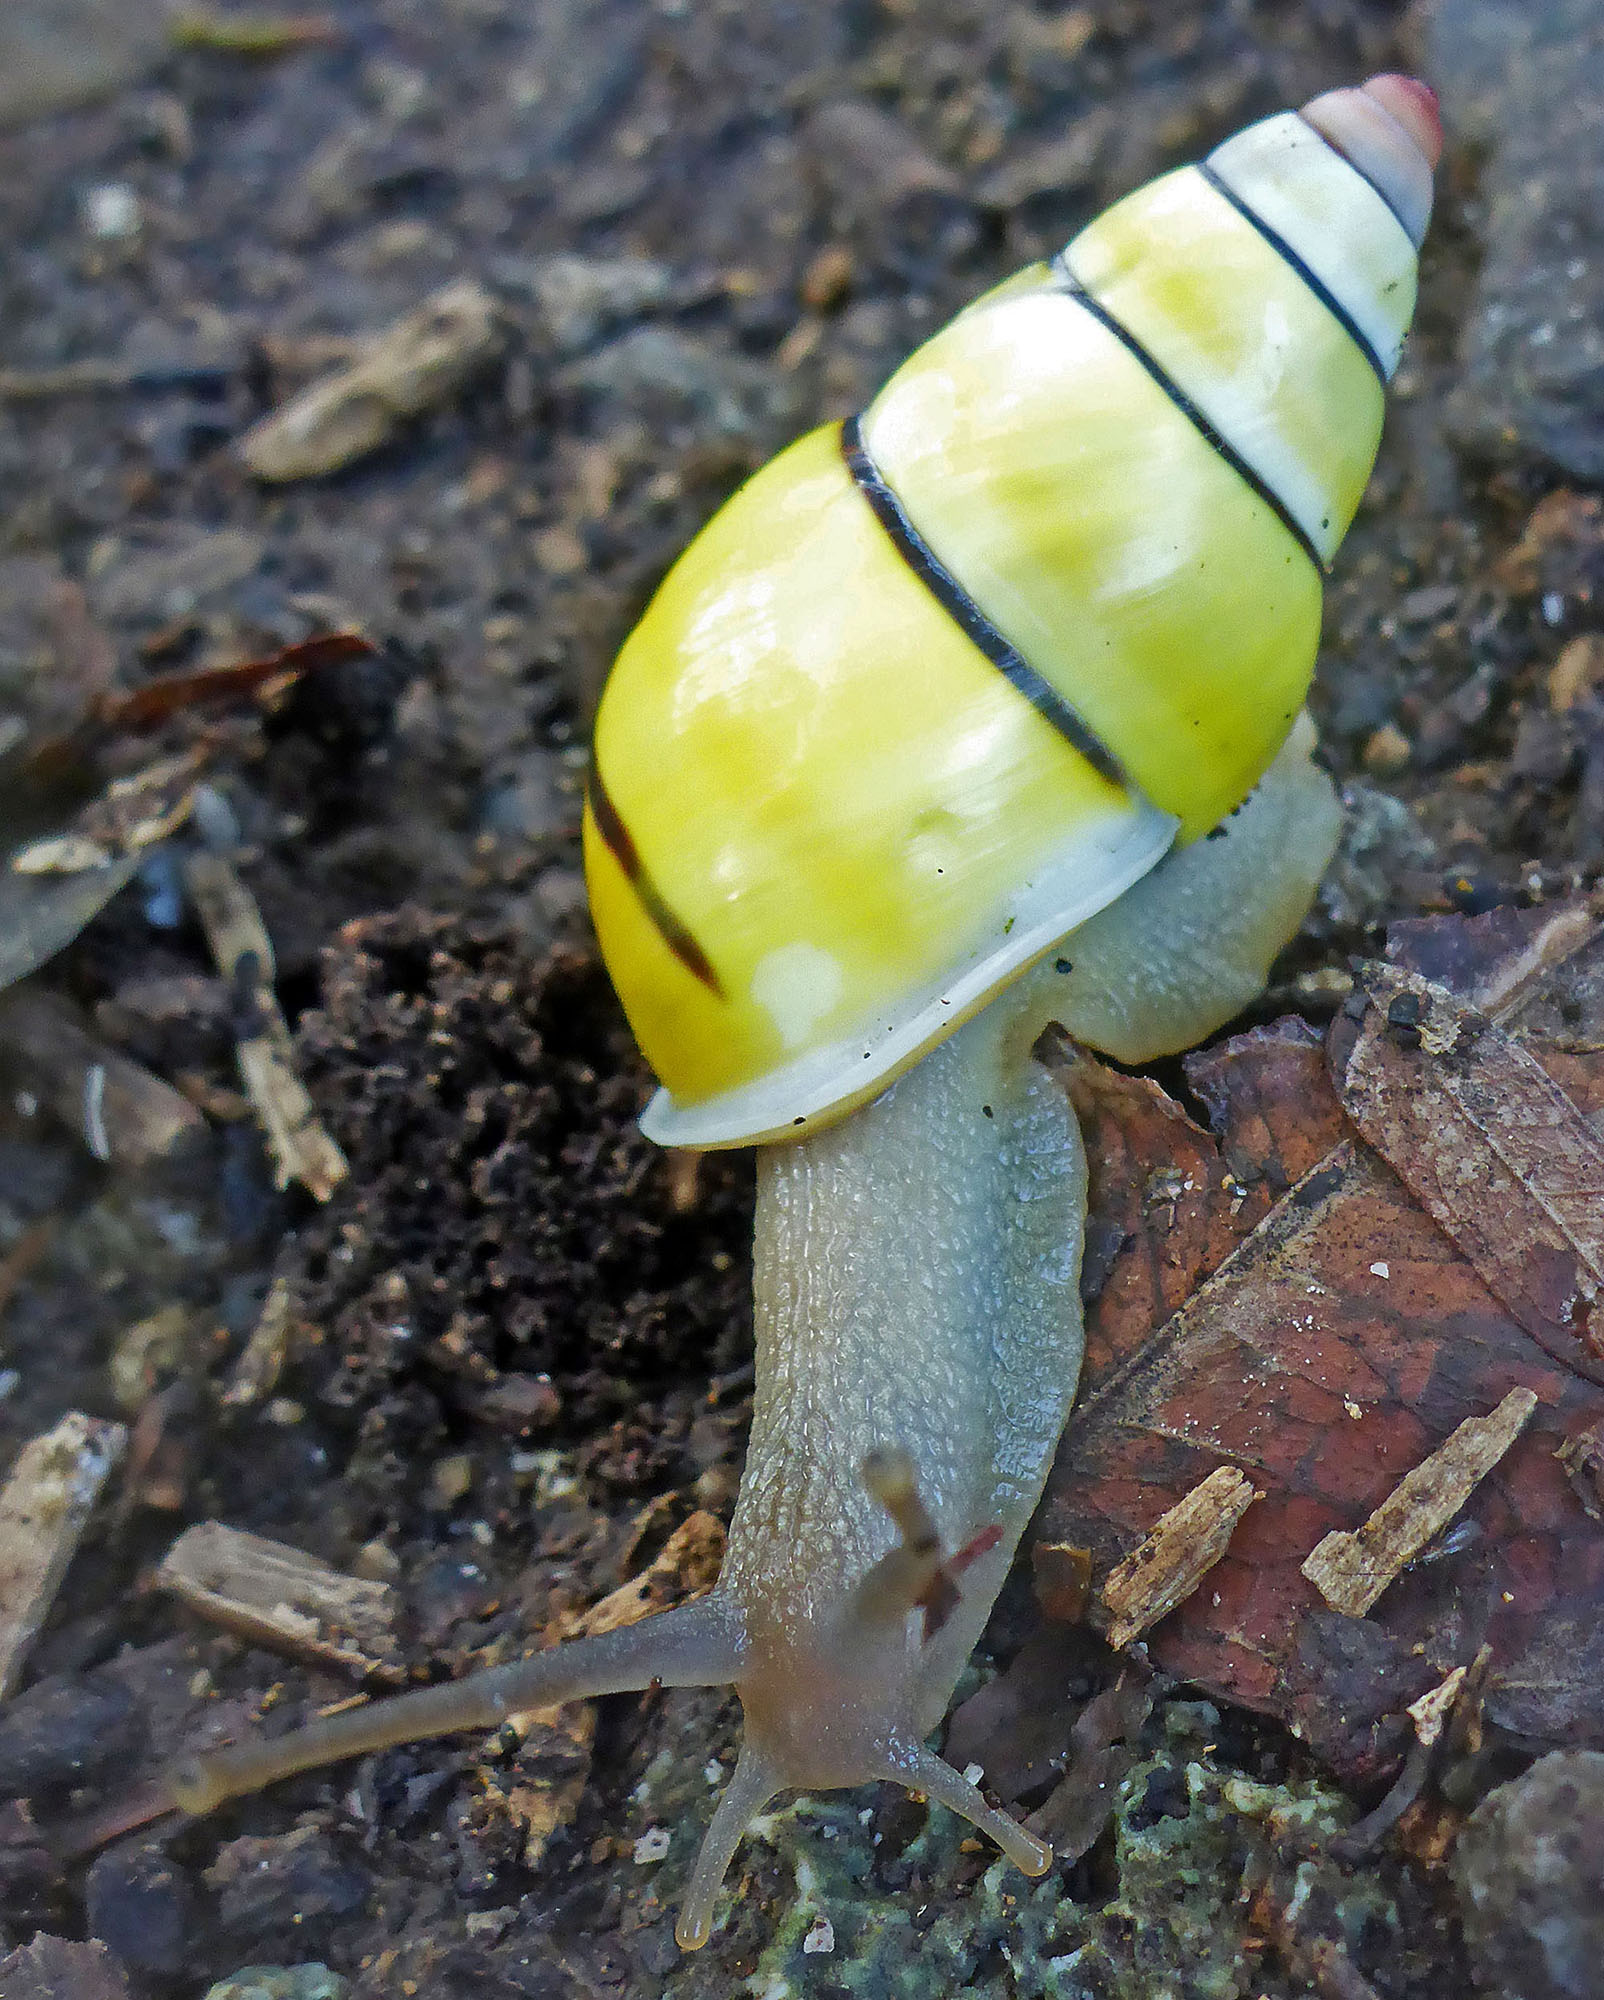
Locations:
column 939, row 683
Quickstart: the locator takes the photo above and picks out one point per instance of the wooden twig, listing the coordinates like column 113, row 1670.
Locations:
column 44, row 1508
column 1183, row 1545
column 1351, row 1570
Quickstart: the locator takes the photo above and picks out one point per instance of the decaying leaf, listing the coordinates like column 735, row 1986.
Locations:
column 1339, row 1336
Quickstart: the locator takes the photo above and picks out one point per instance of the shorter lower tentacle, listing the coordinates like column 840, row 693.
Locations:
column 747, row 1793
column 692, row 1645
column 921, row 1770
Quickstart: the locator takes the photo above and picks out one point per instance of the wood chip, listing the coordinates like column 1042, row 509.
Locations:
column 59, row 854
column 256, row 1373
column 123, row 1113
column 1183, row 1546
column 1432, row 1710
column 280, row 1597
column 687, row 1566
column 1351, row 1570
column 416, row 364
column 302, row 1149
column 44, row 1509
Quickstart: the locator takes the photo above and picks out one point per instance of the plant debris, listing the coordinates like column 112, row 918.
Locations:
column 283, row 1598
column 411, row 367
column 45, row 1507
column 1183, row 1546
column 1341, row 1341
column 509, row 1358
column 302, row 1150
column 1351, row 1571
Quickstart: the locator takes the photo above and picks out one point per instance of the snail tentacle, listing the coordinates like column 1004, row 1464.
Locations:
column 691, row 1645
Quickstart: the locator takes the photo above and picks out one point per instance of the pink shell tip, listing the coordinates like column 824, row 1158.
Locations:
column 1413, row 105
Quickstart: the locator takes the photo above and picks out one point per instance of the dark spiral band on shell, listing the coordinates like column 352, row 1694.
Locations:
column 917, row 553
column 1212, row 437
column 1284, row 250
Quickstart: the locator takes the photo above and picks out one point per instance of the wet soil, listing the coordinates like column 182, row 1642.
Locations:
column 703, row 227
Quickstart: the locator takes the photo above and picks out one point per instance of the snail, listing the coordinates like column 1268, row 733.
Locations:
column 977, row 714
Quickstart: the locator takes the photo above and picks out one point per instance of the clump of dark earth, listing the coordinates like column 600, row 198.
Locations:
column 508, row 1246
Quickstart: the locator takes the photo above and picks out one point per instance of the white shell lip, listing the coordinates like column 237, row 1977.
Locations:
column 1094, row 867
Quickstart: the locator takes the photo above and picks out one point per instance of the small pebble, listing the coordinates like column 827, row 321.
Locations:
column 111, row 211
column 652, row 1846
column 138, row 1904
column 828, row 277
column 820, row 1937
column 1387, row 752
column 450, row 1479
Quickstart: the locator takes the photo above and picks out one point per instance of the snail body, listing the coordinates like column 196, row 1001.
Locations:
column 973, row 717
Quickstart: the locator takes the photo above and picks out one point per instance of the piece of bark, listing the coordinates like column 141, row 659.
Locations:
column 687, row 1566
column 415, row 365
column 124, row 1114
column 1494, row 1151
column 1184, row 1544
column 301, row 1147
column 262, row 1359
column 45, row 1506
column 1351, row 1570
column 1433, row 1708
column 280, row 1597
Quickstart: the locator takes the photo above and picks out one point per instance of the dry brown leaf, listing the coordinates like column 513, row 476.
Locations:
column 1328, row 1355
column 1494, row 1151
